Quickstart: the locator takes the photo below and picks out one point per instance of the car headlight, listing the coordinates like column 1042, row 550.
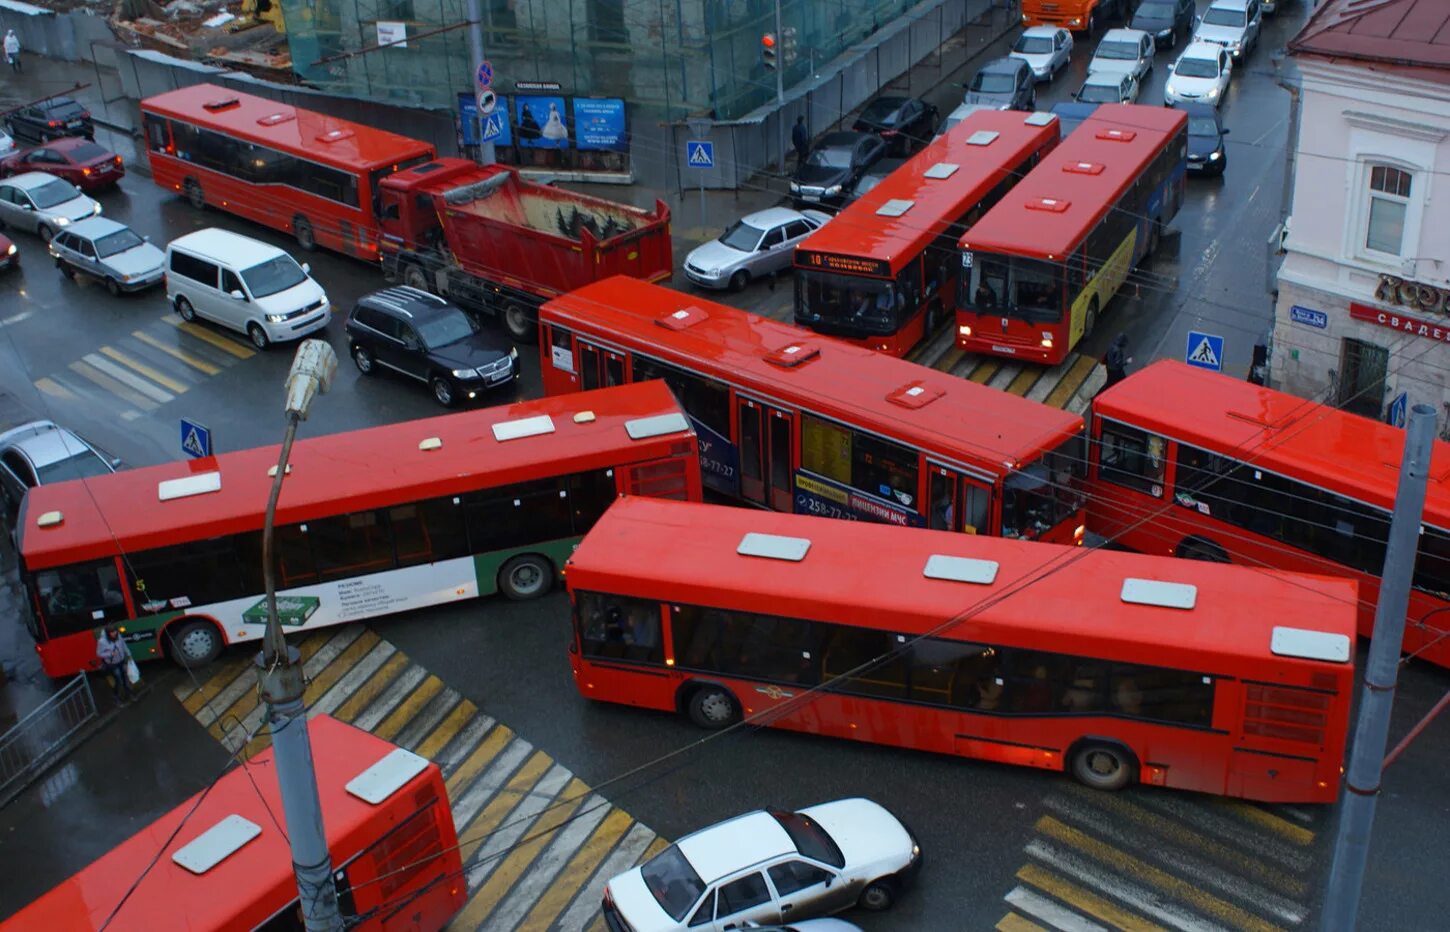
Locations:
column 795, row 188
column 833, row 190
column 276, row 318
column 62, row 221
column 11, row 250
column 1169, row 90
column 1215, row 156
column 127, row 278
column 95, row 209
column 464, row 373
column 514, row 352
column 1211, row 93
column 1074, row 22
column 1165, row 33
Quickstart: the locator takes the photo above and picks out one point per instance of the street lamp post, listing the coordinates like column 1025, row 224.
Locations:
column 282, row 683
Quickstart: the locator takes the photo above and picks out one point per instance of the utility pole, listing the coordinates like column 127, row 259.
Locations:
column 1362, row 783
column 475, row 52
column 779, row 71
column 283, row 684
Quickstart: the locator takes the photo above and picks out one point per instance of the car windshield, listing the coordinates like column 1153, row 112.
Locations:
column 450, row 326
column 1223, row 16
column 82, row 465
column 992, row 82
column 273, row 276
column 1196, row 68
column 1202, row 126
column 809, row 838
column 851, row 304
column 1121, row 51
column 1033, row 45
column 883, row 112
column 1155, row 11
column 1045, row 492
column 742, row 236
column 52, row 193
column 119, row 241
column 87, row 151
column 1099, row 94
column 673, row 882
column 830, row 157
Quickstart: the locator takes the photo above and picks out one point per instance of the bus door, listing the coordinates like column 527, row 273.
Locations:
column 599, row 367
column 765, row 448
column 958, row 502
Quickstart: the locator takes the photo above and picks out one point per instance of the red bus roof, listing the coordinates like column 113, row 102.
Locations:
column 1050, row 212
column 1295, row 437
column 245, row 888
column 953, row 418
column 1043, row 596
column 307, row 133
column 349, row 471
column 986, row 148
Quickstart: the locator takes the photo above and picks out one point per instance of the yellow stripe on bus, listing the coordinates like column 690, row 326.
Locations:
column 1083, row 901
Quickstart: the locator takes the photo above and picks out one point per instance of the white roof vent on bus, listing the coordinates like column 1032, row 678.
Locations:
column 1083, row 168
column 584, row 417
column 1039, row 118
column 774, row 547
column 941, row 170
column 273, row 119
column 216, row 844
column 523, row 427
column 1115, row 134
column 643, row 428
column 1159, row 593
column 387, row 776
column 187, row 486
column 960, row 569
column 428, row 444
column 682, row 319
column 334, row 135
column 1310, row 645
column 49, row 519
column 983, row 137
column 1052, row 205
column 895, row 207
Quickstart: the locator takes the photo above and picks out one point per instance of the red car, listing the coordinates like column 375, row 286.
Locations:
column 9, row 258
column 79, row 161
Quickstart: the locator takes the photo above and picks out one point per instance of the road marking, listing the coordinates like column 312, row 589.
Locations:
column 113, row 386
column 374, row 712
column 363, row 696
column 585, row 907
column 1024, row 380
column 1090, row 903
column 434, row 712
column 318, row 686
column 54, row 389
column 1296, row 834
column 1050, row 378
column 1004, row 376
column 459, row 723
column 1044, row 910
column 199, row 364
column 201, row 333
column 578, row 871
column 1205, row 818
column 248, row 712
column 141, row 367
column 389, row 727
column 1147, row 902
column 354, row 678
column 476, row 759
column 984, row 371
column 492, row 799
column 949, row 360
column 121, row 375
column 1015, row 923
column 1068, row 385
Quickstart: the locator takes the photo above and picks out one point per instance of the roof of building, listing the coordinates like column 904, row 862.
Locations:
column 1413, row 33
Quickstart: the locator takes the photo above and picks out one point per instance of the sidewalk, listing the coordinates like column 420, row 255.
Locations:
column 115, row 126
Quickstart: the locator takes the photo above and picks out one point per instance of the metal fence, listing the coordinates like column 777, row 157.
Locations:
column 44, row 734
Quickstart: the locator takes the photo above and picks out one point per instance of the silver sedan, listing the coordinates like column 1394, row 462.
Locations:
column 762, row 243
column 42, row 204
column 110, row 252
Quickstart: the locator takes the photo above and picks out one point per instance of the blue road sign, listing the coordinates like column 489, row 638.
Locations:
column 493, row 126
column 1204, row 351
column 699, row 153
column 485, row 75
column 1399, row 409
column 195, row 439
column 1306, row 315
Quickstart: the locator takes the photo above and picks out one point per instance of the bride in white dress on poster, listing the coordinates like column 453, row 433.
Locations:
column 554, row 127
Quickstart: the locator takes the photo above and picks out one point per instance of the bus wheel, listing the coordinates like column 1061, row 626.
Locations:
column 1090, row 320
column 713, row 707
column 194, row 194
column 415, row 277
column 1154, row 236
column 519, row 322
column 1192, row 549
column 526, row 577
column 302, row 229
column 1102, row 766
column 194, row 644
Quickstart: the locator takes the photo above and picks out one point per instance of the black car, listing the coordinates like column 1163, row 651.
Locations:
column 903, row 122
column 1005, row 83
column 875, row 176
column 49, row 119
column 831, row 170
column 1165, row 20
column 1206, row 153
column 420, row 335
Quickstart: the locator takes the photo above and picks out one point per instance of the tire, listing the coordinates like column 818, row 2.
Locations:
column 184, row 308
column 113, row 286
column 527, row 576
column 1155, row 236
column 879, row 895
column 364, row 361
column 65, row 269
column 519, row 323
column 258, row 336
column 45, row 233
column 414, row 277
column 442, row 391
column 1092, row 23
column 713, row 707
column 1090, row 322
column 194, row 194
column 194, row 644
column 739, row 280
column 1102, row 767
column 306, row 237
column 1201, row 550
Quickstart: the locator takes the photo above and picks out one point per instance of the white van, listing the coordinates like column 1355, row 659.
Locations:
column 244, row 284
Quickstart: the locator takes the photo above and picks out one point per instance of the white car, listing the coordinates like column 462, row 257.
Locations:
column 1046, row 49
column 1200, row 75
column 1124, row 51
column 958, row 115
column 1108, row 88
column 1232, row 24
column 755, row 246
column 765, row 864
column 42, row 204
column 7, row 145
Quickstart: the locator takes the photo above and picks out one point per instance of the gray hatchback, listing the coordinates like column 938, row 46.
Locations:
column 110, row 252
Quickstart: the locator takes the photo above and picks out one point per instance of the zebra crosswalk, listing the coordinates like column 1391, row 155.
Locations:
column 537, row 843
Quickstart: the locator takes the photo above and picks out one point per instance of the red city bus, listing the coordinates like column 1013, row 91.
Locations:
column 1049, row 257
column 390, row 832
column 883, row 272
column 793, row 421
column 370, row 522
column 294, row 170
column 1201, row 465
column 1115, row 667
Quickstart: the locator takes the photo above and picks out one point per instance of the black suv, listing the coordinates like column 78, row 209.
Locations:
column 1166, row 21
column 50, row 119
column 420, row 335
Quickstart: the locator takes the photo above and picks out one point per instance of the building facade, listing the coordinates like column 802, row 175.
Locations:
column 1363, row 314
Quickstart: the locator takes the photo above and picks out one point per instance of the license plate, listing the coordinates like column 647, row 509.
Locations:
column 73, row 124
column 1004, row 349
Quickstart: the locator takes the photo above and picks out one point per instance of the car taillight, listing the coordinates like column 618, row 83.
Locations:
column 85, row 171
column 888, row 133
column 53, row 124
column 117, row 160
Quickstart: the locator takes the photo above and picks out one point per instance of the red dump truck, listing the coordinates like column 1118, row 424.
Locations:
column 492, row 241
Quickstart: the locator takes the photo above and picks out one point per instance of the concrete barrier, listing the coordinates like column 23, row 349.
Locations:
column 66, row 36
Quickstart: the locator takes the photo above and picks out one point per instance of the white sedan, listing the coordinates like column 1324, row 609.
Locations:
column 1200, row 75
column 7, row 145
column 1107, row 88
column 755, row 246
column 1046, row 49
column 765, row 865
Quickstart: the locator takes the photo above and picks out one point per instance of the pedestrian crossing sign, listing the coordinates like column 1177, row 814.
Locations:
column 493, row 126
column 195, row 439
column 1204, row 351
column 700, row 153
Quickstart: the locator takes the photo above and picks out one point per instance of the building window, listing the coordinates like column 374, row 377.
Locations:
column 1389, row 201
column 1362, row 385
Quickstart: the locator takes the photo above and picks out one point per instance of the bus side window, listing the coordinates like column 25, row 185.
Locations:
column 619, row 627
column 1133, row 458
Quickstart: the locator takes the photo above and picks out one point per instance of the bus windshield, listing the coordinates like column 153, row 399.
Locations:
column 848, row 302
column 1045, row 492
column 1016, row 287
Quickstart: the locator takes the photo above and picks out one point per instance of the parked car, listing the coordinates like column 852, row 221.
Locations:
column 110, row 252
column 758, row 866
column 755, row 246
column 7, row 144
column 833, row 167
column 1124, row 51
column 959, row 114
column 1200, row 75
column 1107, row 88
column 1046, row 49
column 878, row 173
column 1232, row 24
column 79, row 161
column 1005, row 83
column 827, row 924
column 1070, row 114
column 1167, row 21
column 904, row 123
column 1206, row 152
column 424, row 337
column 49, row 119
column 43, row 452
column 42, row 204
column 9, row 255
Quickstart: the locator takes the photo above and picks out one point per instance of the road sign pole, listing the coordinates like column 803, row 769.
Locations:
column 699, row 128
column 475, row 51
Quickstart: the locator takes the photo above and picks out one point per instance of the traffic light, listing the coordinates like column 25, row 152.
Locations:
column 789, row 44
column 768, row 50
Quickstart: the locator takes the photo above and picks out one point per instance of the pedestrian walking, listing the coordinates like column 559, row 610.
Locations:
column 12, row 50
column 1116, row 360
column 800, row 138
column 114, row 656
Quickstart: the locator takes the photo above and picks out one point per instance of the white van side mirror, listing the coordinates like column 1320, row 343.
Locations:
column 237, row 294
